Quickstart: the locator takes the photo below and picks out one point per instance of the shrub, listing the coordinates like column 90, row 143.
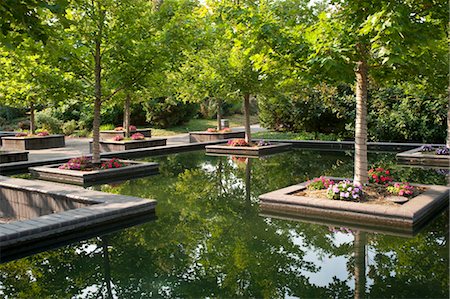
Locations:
column 137, row 136
column 319, row 183
column 118, row 138
column 79, row 163
column 24, row 125
column 107, row 127
column 69, row 127
column 168, row 112
column 394, row 113
column 45, row 121
column 42, row 133
column 237, row 142
column 113, row 163
column 344, row 190
column 3, row 122
column 380, row 176
column 401, row 189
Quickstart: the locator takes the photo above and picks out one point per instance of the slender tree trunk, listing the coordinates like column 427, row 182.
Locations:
column 448, row 120
column 360, row 264
column 248, row 133
column 219, row 115
column 361, row 123
column 32, row 119
column 97, row 105
column 127, row 115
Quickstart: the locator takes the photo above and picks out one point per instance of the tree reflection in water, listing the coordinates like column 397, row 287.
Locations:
column 210, row 241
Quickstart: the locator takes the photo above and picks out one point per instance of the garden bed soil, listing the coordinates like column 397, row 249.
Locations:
column 204, row 136
column 124, row 145
column 416, row 157
column 10, row 157
column 133, row 170
column 32, row 143
column 110, row 134
column 372, row 194
column 251, row 151
column 412, row 213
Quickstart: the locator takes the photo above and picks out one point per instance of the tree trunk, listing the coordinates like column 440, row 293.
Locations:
column 448, row 121
column 97, row 105
column 360, row 264
column 219, row 115
column 127, row 115
column 32, row 119
column 248, row 133
column 361, row 123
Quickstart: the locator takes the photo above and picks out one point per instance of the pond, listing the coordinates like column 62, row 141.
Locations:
column 210, row 240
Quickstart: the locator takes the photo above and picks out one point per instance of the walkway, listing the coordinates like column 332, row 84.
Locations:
column 80, row 146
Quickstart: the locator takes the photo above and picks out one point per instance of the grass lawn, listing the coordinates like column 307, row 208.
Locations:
column 296, row 136
column 236, row 120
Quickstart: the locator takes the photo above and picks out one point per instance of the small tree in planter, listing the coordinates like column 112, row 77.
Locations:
column 384, row 40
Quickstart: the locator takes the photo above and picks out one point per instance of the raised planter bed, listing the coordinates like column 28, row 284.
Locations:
column 109, row 134
column 411, row 214
column 6, row 134
column 416, row 157
column 124, row 145
column 32, row 143
column 9, row 157
column 204, row 136
column 251, row 151
column 94, row 177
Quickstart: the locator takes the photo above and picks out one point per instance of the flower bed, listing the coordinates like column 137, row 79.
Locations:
column 119, row 131
column 25, row 141
column 81, row 171
column 240, row 147
column 433, row 155
column 384, row 203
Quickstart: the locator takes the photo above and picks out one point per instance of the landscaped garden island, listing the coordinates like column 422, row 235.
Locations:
column 25, row 141
column 437, row 155
column 213, row 134
column 82, row 171
column 239, row 147
column 345, row 202
column 120, row 131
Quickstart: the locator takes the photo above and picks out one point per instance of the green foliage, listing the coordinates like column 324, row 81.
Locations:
column 395, row 114
column 10, row 113
column 69, row 127
column 165, row 112
column 106, row 127
column 46, row 121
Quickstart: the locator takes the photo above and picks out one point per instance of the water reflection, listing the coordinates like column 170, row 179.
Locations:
column 210, row 240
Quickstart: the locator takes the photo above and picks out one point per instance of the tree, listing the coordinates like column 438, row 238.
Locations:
column 87, row 47
column 377, row 40
column 248, row 63
column 203, row 74
column 28, row 79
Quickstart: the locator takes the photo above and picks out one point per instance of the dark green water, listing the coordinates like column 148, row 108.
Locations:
column 210, row 241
